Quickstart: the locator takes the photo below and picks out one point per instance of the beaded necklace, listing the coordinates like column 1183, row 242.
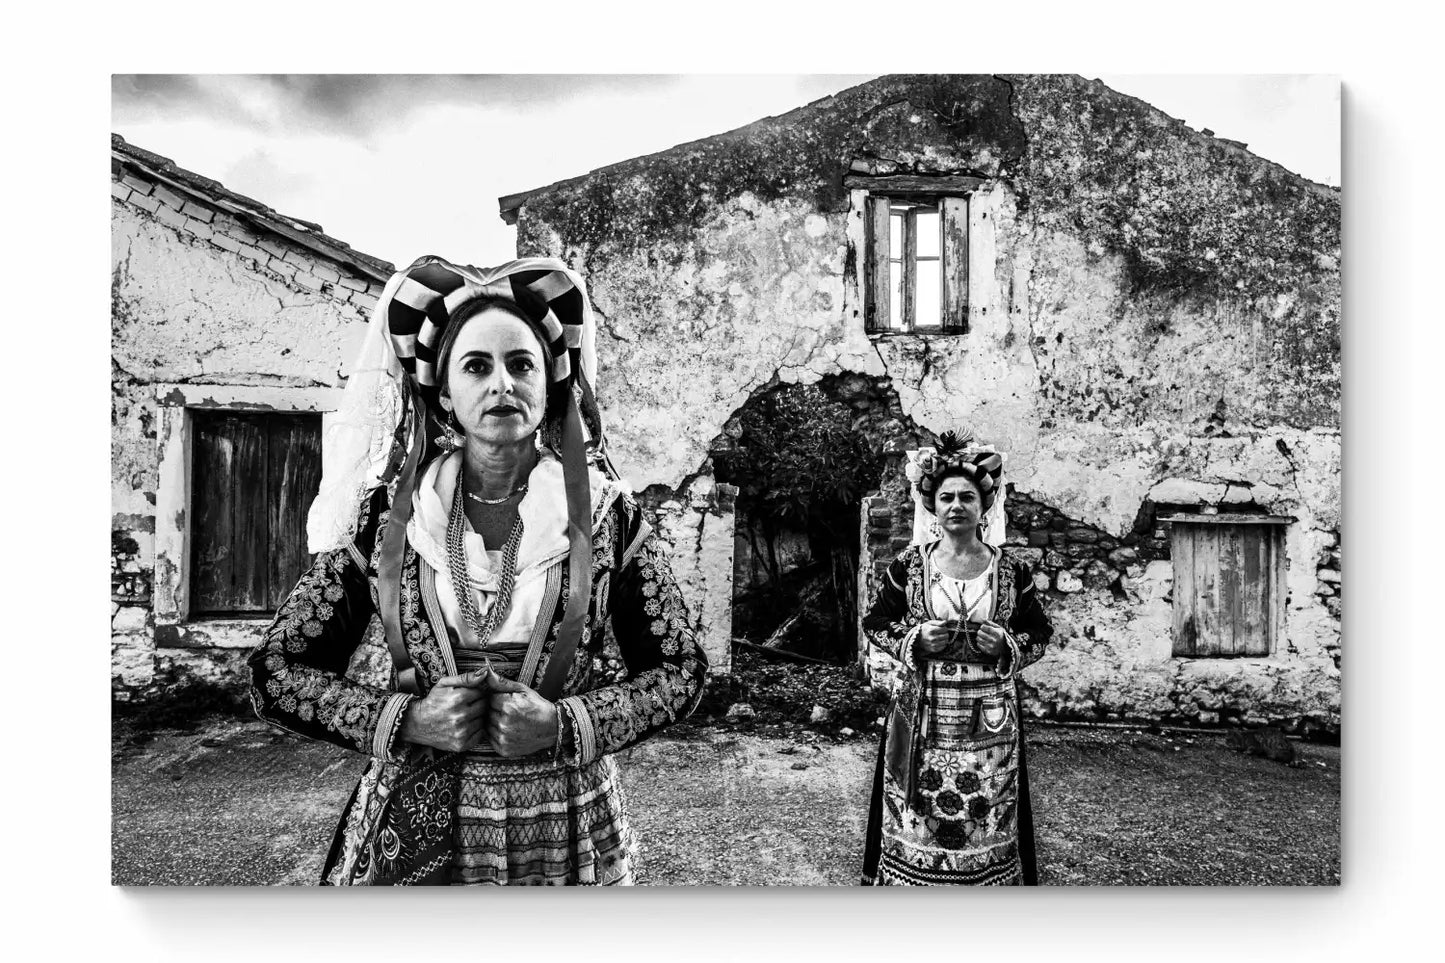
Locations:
column 461, row 581
column 960, row 624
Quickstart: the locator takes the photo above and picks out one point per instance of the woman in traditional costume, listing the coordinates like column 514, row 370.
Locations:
column 950, row 802
column 458, row 504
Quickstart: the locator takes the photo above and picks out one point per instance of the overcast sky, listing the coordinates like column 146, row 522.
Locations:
column 400, row 166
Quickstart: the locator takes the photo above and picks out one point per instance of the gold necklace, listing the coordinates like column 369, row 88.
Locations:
column 498, row 501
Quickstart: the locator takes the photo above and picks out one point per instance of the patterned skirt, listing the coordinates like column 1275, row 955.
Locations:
column 539, row 824
column 511, row 822
column 968, row 821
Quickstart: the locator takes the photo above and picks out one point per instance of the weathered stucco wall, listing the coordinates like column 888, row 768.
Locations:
column 1148, row 306
column 200, row 299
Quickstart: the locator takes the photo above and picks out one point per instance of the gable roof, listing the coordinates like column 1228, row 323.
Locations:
column 305, row 234
column 510, row 205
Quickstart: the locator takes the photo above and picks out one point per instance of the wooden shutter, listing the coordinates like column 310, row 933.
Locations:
column 876, row 309
column 253, row 478
column 1228, row 587
column 955, row 263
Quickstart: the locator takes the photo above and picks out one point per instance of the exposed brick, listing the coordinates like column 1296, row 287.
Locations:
column 364, row 301
column 308, row 281
column 119, row 191
column 225, row 242
column 242, row 235
column 136, row 184
column 169, row 197
column 295, row 256
column 254, row 253
column 283, row 268
column 199, row 228
column 148, row 204
column 272, row 247
column 354, row 283
column 199, row 211
column 171, row 216
column 326, row 272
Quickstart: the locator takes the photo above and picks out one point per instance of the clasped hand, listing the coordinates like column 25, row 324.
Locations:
column 460, row 709
column 934, row 636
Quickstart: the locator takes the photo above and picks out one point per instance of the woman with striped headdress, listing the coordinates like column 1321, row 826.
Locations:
column 950, row 802
column 458, row 503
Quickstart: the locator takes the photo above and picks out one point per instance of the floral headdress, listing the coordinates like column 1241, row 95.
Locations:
column 955, row 455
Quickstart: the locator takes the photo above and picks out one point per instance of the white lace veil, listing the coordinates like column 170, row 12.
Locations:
column 358, row 437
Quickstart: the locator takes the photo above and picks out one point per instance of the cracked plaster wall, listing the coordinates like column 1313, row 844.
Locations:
column 1160, row 307
column 187, row 311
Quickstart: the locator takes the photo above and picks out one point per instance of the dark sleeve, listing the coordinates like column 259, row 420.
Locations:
column 887, row 623
column 298, row 671
column 1030, row 626
column 665, row 665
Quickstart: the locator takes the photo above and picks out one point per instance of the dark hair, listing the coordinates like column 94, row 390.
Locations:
column 466, row 311
column 960, row 471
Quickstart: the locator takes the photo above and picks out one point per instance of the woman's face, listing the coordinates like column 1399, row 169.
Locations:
column 957, row 505
column 496, row 378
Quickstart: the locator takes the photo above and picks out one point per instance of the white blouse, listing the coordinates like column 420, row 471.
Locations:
column 968, row 599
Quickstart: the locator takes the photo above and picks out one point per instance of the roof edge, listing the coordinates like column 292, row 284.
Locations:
column 294, row 230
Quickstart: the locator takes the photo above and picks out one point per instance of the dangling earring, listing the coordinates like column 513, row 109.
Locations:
column 552, row 435
column 452, row 438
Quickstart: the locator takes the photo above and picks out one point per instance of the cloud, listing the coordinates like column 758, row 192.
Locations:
column 354, row 104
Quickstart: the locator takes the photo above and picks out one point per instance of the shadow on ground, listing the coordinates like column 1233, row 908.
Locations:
column 237, row 803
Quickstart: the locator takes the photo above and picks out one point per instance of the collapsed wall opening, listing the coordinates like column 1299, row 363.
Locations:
column 803, row 458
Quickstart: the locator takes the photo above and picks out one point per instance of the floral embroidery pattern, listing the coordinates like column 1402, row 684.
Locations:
column 956, row 820
column 298, row 671
column 297, row 679
column 664, row 662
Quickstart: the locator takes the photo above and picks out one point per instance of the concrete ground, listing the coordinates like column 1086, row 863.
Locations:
column 237, row 803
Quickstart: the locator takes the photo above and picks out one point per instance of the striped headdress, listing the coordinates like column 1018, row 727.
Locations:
column 414, row 310
column 421, row 300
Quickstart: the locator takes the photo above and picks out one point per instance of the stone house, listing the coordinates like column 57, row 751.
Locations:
column 1143, row 316
column 232, row 325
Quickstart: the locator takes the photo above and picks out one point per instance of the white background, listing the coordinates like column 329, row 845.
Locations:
column 58, row 900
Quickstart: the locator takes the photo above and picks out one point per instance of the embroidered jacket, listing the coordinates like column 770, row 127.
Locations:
column 902, row 605
column 298, row 670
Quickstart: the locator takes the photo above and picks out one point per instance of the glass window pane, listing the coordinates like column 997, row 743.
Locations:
column 895, row 236
column 927, row 304
column 927, row 233
column 895, row 294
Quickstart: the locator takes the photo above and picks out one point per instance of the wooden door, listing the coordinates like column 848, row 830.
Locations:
column 254, row 475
